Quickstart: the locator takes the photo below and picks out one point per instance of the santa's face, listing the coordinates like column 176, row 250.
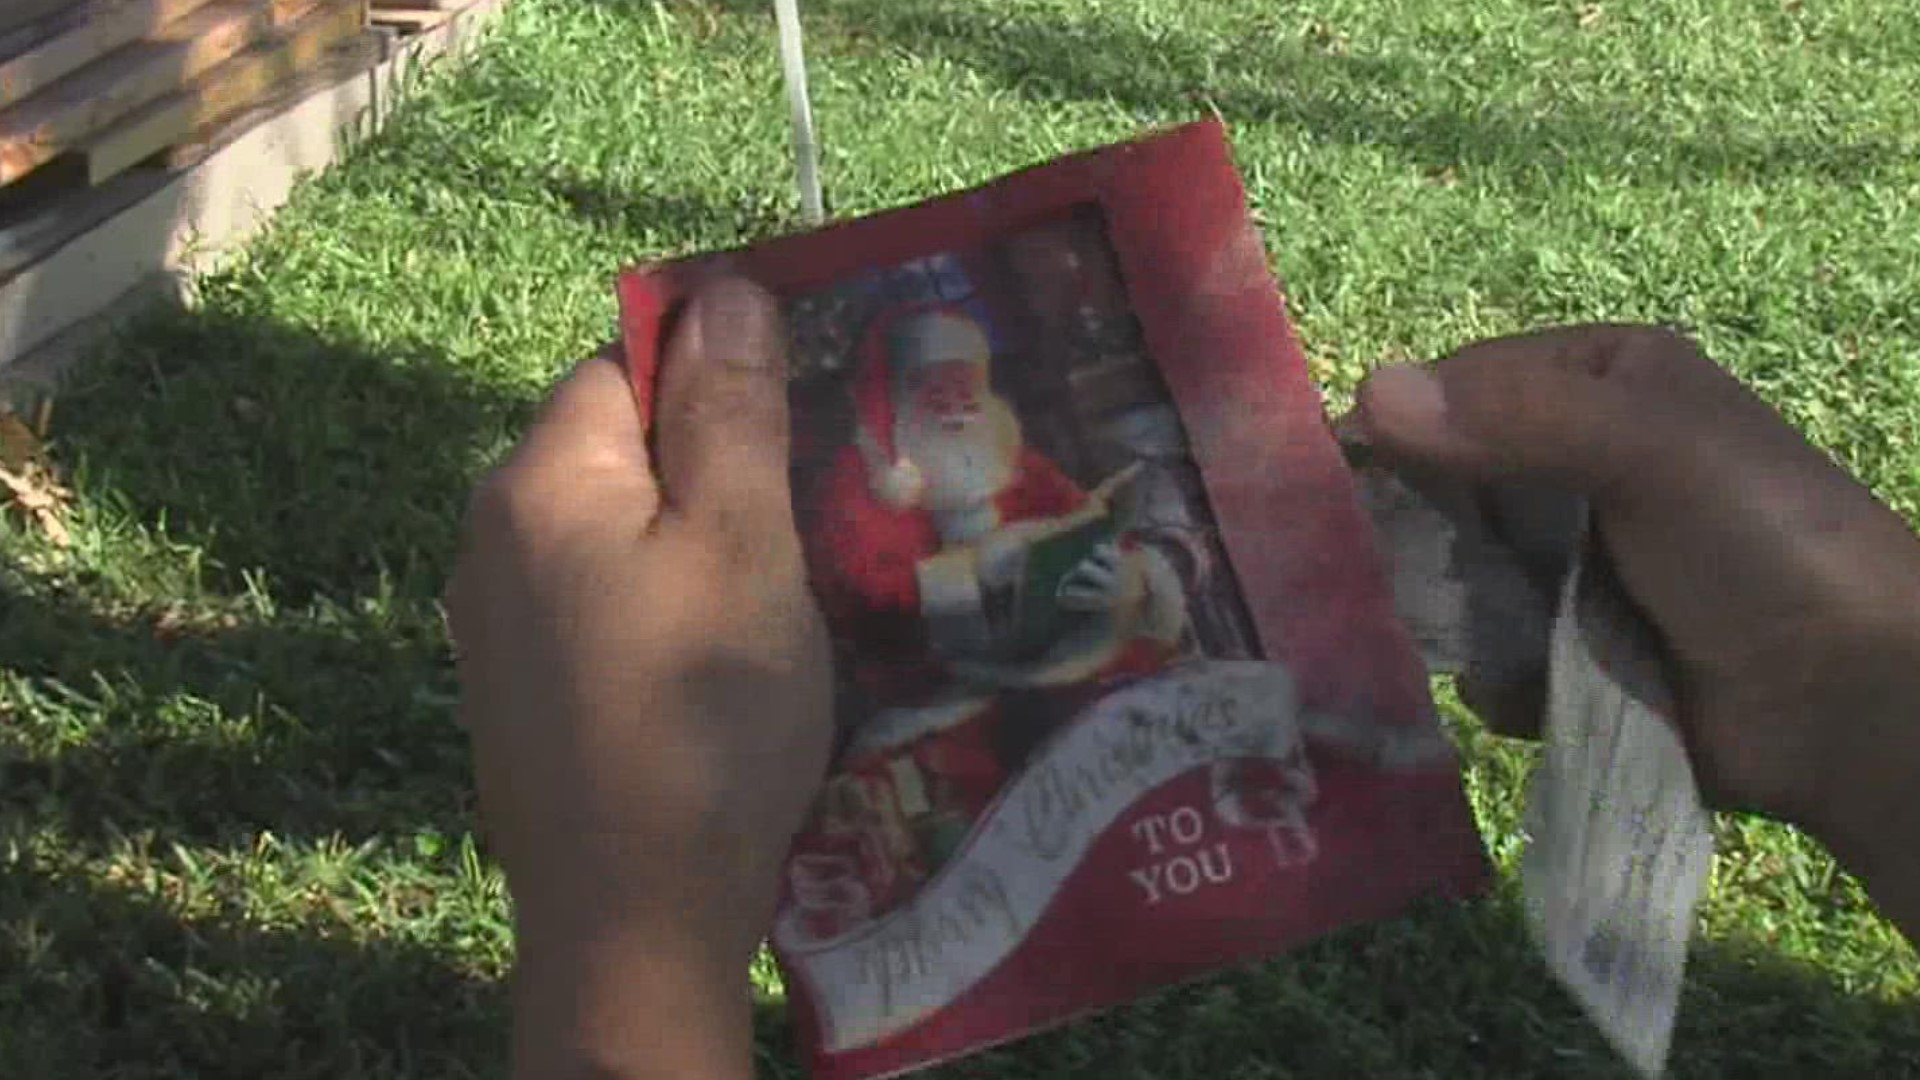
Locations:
column 948, row 395
column 962, row 438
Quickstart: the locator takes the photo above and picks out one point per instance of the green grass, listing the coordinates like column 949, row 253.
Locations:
column 235, row 831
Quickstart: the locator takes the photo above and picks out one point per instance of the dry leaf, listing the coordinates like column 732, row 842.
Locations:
column 1327, row 37
column 19, row 443
column 172, row 624
column 1590, row 16
column 29, row 482
column 35, row 492
column 177, row 622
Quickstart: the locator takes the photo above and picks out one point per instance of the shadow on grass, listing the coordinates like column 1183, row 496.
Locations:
column 1310, row 82
column 1459, row 992
column 204, row 732
column 111, row 984
column 320, row 467
column 159, row 701
column 183, row 698
column 115, row 985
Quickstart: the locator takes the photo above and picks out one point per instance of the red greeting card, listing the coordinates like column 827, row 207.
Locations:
column 1123, row 695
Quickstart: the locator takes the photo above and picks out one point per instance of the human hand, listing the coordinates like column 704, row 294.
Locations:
column 1106, row 580
column 1787, row 596
column 646, row 682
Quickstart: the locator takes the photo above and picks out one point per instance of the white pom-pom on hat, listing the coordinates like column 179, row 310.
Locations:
column 899, row 485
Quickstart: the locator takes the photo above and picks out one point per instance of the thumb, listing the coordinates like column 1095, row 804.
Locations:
column 1577, row 408
column 723, row 423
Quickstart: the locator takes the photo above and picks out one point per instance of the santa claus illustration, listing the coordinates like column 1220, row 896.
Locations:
column 960, row 563
column 931, row 520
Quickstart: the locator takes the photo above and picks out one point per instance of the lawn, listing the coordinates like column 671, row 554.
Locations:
column 235, row 828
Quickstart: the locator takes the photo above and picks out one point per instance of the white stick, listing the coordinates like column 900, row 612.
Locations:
column 806, row 151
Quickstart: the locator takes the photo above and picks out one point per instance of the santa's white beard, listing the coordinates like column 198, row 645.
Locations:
column 964, row 470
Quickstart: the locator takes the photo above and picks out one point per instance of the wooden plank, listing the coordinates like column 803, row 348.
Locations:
column 356, row 55
column 38, row 129
column 82, row 36
column 20, row 39
column 419, row 5
column 60, row 296
column 18, row 13
column 407, row 21
column 225, row 91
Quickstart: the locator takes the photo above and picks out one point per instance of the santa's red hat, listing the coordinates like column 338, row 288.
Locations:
column 912, row 337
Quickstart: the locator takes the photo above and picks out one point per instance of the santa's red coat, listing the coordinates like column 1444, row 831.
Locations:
column 862, row 555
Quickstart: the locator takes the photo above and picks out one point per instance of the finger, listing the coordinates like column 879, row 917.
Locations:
column 1087, row 581
column 1350, row 431
column 1092, row 577
column 588, row 429
column 1513, row 709
column 1698, row 486
column 1541, row 526
column 1575, row 406
column 1084, row 583
column 1087, row 601
column 590, row 419
column 723, row 426
column 1076, row 593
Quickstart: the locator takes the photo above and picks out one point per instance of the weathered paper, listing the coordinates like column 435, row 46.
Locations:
column 1619, row 845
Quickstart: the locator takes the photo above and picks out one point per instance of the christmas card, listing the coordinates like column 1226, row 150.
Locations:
column 1122, row 691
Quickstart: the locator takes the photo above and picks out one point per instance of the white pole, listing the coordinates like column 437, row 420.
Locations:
column 806, row 151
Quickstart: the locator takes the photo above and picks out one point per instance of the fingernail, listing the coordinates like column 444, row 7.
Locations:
column 739, row 324
column 1401, row 396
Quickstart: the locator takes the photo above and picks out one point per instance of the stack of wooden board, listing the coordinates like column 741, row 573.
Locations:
column 75, row 262
column 90, row 88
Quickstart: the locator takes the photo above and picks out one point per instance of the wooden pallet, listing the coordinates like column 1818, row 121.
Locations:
column 408, row 17
column 253, row 77
column 80, row 265
column 127, row 78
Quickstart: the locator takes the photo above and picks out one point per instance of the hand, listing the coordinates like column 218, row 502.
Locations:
column 1788, row 598
column 646, row 683
column 1104, row 581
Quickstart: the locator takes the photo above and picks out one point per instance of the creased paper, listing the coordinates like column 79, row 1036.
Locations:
column 1514, row 588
